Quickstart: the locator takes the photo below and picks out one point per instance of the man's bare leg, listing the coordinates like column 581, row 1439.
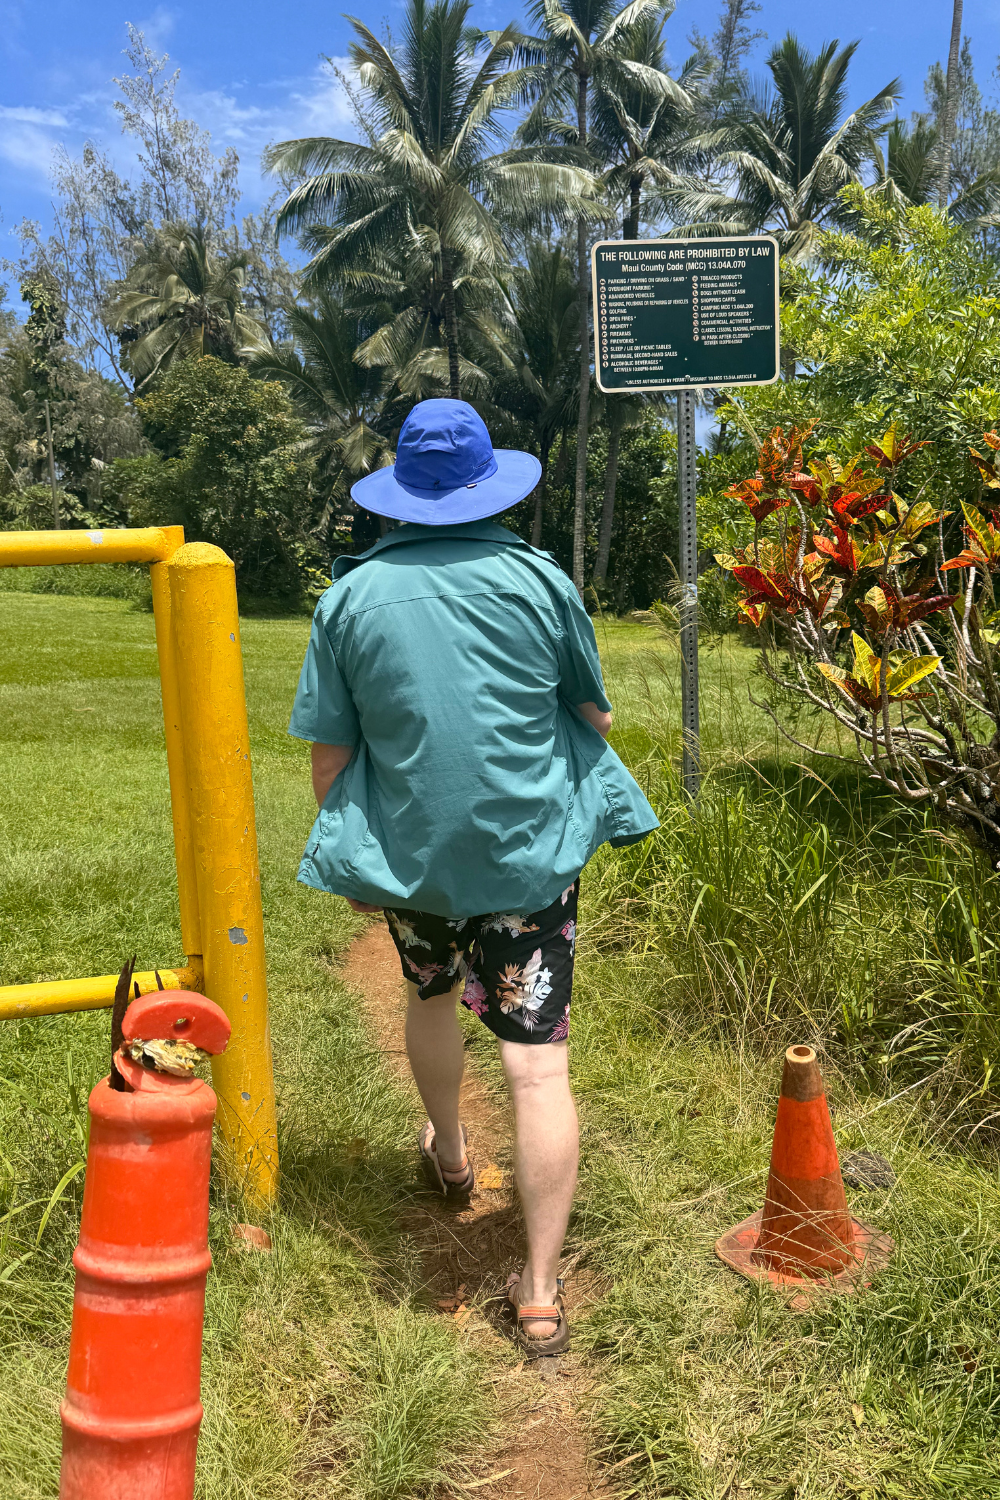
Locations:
column 546, row 1149
column 435, row 1047
column 546, row 1154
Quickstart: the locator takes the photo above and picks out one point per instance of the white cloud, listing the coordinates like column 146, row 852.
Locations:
column 327, row 107
column 318, row 105
column 247, row 118
column 27, row 115
column 28, row 149
column 158, row 27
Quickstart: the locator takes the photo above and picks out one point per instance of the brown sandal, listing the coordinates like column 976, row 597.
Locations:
column 554, row 1343
column 457, row 1193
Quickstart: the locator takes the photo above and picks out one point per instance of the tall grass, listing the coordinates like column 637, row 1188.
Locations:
column 793, row 893
column 787, row 904
column 95, row 580
column 784, row 906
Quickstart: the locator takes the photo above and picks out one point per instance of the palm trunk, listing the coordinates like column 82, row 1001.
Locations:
column 559, row 477
column 630, row 228
column 610, row 484
column 451, row 327
column 580, row 504
column 718, row 401
column 540, row 489
column 950, row 107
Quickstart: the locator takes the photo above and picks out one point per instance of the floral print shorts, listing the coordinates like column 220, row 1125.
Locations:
column 518, row 970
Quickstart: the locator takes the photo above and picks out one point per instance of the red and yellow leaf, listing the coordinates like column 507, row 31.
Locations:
column 909, row 672
column 892, row 449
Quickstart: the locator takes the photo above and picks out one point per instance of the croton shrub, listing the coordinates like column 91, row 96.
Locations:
column 881, row 612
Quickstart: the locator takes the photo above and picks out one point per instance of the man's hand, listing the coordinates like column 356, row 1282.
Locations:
column 596, row 716
column 327, row 763
column 363, row 906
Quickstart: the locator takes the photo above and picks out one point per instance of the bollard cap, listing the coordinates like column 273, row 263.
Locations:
column 178, row 1016
column 157, row 1022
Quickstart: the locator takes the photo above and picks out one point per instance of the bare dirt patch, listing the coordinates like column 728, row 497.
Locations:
column 467, row 1257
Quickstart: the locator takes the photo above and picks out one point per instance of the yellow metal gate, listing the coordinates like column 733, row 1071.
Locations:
column 215, row 835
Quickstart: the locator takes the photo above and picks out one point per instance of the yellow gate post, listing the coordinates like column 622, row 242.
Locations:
column 215, row 838
column 173, row 731
column 206, row 633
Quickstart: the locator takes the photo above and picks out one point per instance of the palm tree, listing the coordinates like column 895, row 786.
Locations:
column 428, row 188
column 910, row 171
column 580, row 46
column 641, row 134
column 620, row 412
column 336, row 397
column 182, row 299
column 950, row 106
column 538, row 389
column 787, row 150
column 910, row 162
column 405, row 308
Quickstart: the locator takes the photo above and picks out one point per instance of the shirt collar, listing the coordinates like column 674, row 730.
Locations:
column 410, row 531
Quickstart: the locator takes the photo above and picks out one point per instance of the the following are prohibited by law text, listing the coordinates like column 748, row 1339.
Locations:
column 682, row 313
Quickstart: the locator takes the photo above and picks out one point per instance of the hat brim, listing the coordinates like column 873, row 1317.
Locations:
column 516, row 476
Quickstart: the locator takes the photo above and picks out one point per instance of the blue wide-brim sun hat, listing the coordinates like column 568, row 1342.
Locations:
column 447, row 470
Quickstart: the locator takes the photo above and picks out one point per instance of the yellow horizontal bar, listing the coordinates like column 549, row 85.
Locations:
column 144, row 544
column 18, row 1001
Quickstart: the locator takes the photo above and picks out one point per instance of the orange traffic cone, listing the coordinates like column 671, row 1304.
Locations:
column 805, row 1236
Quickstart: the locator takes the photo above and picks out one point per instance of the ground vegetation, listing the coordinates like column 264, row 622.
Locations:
column 794, row 905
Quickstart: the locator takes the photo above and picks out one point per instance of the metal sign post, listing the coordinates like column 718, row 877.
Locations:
column 687, row 493
column 681, row 315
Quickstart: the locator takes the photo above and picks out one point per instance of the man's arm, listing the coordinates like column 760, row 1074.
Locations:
column 327, row 763
column 596, row 716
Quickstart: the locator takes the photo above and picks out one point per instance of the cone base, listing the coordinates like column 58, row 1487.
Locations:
column 872, row 1250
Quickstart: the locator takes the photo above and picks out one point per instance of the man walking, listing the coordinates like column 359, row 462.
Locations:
column 453, row 696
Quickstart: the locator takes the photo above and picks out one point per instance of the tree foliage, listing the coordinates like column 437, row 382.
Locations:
column 226, row 463
column 182, row 299
column 899, row 318
column 87, row 416
column 875, row 606
column 429, row 201
column 788, row 148
column 448, row 251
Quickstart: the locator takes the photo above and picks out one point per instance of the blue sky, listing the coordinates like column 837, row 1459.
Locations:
column 253, row 72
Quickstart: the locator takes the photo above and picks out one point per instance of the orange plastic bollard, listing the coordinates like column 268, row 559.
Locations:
column 132, row 1410
column 804, row 1236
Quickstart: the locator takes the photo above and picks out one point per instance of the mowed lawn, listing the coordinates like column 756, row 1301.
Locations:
column 325, row 1372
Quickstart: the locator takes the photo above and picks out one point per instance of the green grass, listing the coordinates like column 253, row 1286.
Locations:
column 96, row 580
column 323, row 1374
column 794, row 905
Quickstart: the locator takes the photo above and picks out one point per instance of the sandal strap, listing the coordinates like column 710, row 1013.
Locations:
column 462, row 1168
column 427, row 1145
column 539, row 1314
column 452, row 1178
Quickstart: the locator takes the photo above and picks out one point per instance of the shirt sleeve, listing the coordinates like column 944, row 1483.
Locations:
column 324, row 710
column 580, row 678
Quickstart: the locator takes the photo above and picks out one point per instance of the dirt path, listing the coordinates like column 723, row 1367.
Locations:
column 467, row 1257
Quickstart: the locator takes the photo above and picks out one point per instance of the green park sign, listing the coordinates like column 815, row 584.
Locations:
column 675, row 314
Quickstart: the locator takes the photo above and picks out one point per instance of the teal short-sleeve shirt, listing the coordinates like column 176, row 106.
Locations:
column 452, row 658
